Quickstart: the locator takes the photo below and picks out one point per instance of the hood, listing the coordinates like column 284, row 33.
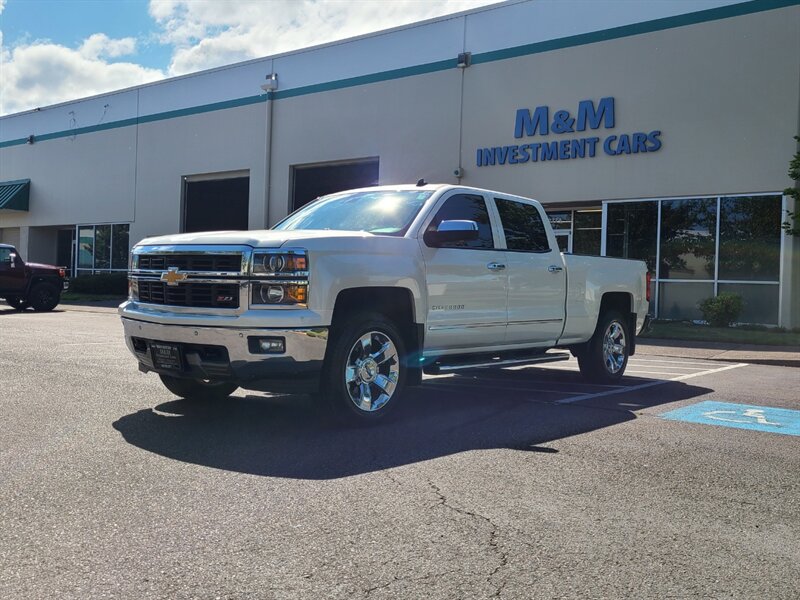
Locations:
column 266, row 238
column 41, row 267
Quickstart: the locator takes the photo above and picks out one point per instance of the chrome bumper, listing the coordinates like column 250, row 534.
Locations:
column 200, row 346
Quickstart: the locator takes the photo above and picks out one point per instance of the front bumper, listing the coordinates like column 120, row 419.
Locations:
column 224, row 354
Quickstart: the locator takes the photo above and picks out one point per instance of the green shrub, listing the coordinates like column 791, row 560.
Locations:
column 722, row 311
column 102, row 283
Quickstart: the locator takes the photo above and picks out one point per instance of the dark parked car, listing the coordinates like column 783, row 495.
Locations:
column 29, row 284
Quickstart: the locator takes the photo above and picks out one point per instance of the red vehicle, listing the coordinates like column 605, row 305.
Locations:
column 29, row 284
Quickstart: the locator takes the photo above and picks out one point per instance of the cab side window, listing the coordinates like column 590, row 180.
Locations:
column 5, row 258
column 466, row 207
column 523, row 226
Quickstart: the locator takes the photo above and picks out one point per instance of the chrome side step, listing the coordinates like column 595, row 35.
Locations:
column 461, row 363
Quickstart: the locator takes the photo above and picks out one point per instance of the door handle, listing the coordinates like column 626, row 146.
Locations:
column 493, row 266
column 555, row 269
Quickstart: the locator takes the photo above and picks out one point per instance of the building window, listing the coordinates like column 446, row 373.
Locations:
column 750, row 238
column 688, row 239
column 632, row 231
column 700, row 247
column 587, row 232
column 102, row 248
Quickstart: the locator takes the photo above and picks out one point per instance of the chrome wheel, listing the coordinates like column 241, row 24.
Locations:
column 614, row 347
column 372, row 371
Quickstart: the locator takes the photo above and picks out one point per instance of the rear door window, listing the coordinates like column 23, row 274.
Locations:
column 523, row 226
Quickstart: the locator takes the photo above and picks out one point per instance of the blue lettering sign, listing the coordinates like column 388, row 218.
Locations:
column 587, row 112
column 590, row 115
column 528, row 123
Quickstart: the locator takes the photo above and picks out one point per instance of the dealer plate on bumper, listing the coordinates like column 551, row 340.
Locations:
column 166, row 356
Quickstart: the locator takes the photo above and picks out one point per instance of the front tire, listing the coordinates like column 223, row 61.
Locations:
column 365, row 371
column 198, row 389
column 606, row 355
column 17, row 302
column 44, row 297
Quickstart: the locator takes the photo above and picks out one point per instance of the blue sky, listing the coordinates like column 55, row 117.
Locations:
column 69, row 22
column 57, row 50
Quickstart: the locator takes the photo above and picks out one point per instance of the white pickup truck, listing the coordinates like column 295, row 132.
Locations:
column 355, row 295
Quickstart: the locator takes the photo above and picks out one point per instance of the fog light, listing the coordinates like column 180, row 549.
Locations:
column 266, row 345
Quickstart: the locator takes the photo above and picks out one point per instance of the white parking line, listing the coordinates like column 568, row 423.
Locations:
column 648, row 365
column 516, row 388
column 664, row 360
column 649, row 384
column 630, row 370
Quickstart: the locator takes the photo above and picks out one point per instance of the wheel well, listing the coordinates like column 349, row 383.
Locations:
column 620, row 301
column 397, row 304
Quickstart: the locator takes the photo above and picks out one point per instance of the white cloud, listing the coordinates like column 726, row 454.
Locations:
column 2, row 6
column 100, row 45
column 203, row 34
column 44, row 73
column 207, row 34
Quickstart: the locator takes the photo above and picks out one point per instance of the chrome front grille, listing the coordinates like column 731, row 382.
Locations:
column 204, row 263
column 191, row 276
column 200, row 295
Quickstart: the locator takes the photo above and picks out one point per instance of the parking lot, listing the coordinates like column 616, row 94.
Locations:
column 520, row 483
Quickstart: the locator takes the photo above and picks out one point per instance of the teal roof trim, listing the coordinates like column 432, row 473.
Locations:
column 615, row 33
column 15, row 195
column 704, row 16
column 433, row 67
column 195, row 110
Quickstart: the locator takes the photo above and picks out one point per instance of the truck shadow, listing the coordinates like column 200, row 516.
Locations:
column 12, row 311
column 283, row 436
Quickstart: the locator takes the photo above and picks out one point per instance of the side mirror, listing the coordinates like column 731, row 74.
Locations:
column 451, row 232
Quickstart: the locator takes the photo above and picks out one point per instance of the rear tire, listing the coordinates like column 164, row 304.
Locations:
column 365, row 371
column 44, row 297
column 17, row 302
column 198, row 389
column 605, row 356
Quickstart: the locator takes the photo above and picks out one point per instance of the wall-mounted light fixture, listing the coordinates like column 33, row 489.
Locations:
column 271, row 84
column 464, row 60
column 30, row 139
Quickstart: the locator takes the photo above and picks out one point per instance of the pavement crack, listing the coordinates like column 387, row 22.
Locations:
column 494, row 534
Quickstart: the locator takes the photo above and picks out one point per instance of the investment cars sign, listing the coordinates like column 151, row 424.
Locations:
column 541, row 122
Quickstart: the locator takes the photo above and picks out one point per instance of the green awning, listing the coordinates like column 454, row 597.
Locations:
column 14, row 195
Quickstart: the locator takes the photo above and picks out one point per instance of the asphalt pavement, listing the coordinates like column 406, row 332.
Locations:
column 520, row 483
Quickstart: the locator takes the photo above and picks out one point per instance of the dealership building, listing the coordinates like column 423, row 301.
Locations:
column 656, row 130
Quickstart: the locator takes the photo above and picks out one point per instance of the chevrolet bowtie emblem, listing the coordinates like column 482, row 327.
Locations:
column 173, row 277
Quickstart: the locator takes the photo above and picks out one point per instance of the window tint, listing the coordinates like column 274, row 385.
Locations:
column 523, row 226
column 463, row 207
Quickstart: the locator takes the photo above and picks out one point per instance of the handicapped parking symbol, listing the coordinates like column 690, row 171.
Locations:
column 745, row 416
column 782, row 421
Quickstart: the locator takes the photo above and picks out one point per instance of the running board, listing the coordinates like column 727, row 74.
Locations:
column 449, row 364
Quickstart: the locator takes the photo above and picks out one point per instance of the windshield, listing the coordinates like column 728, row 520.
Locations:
column 384, row 212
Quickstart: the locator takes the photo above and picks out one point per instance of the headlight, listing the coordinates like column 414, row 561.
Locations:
column 280, row 278
column 280, row 263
